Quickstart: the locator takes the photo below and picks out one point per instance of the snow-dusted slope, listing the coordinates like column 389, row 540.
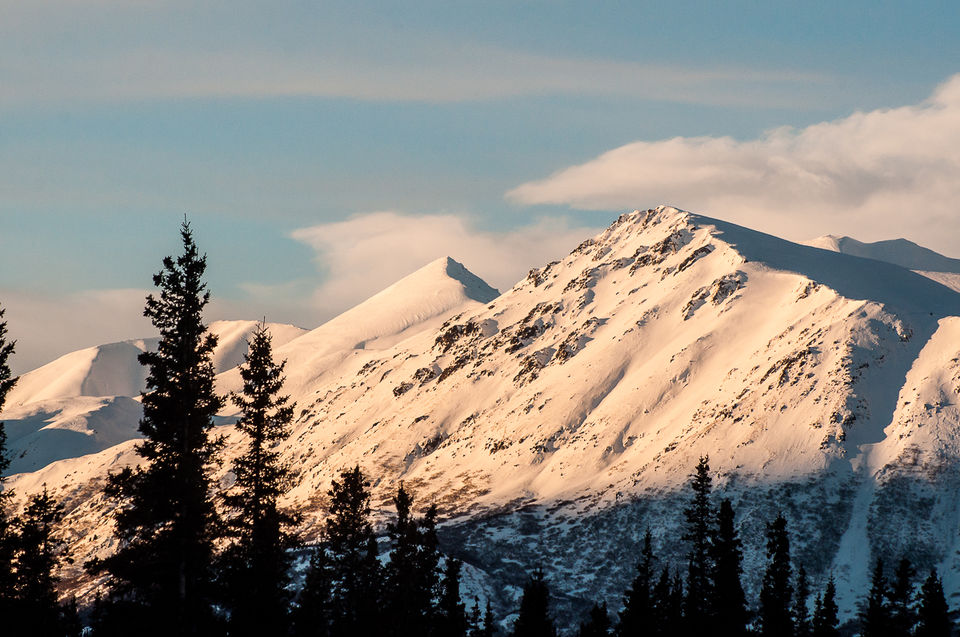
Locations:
column 555, row 423
column 45, row 431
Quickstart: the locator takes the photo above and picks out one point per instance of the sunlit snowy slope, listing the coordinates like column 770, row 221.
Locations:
column 556, row 422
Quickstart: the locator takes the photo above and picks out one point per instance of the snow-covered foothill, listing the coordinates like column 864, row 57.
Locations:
column 88, row 400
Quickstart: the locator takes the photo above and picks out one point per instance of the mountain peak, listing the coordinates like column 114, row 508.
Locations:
column 417, row 302
column 442, row 272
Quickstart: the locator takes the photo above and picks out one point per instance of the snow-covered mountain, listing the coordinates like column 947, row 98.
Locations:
column 901, row 252
column 418, row 302
column 88, row 400
column 556, row 422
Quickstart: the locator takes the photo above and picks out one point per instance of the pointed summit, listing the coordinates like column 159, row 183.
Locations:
column 417, row 302
column 435, row 290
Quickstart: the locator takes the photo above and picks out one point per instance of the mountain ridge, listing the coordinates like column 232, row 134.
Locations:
column 571, row 409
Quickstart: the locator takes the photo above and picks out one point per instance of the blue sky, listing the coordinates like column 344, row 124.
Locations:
column 271, row 124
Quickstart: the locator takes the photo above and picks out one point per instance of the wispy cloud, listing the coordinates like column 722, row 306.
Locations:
column 144, row 50
column 367, row 253
column 872, row 174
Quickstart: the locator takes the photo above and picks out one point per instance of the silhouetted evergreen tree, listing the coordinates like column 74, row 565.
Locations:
column 313, row 612
column 486, row 628
column 801, row 611
column 256, row 565
column 161, row 576
column 71, row 625
column 8, row 536
column 729, row 604
column 901, row 600
column 412, row 575
column 826, row 620
column 7, row 379
column 875, row 614
column 667, row 604
column 662, row 601
column 534, row 619
column 933, row 615
column 675, row 606
column 598, row 623
column 777, row 591
column 352, row 548
column 451, row 616
column 39, row 557
column 637, row 614
column 475, row 619
column 699, row 534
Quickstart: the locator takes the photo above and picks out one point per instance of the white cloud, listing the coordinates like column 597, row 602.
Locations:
column 367, row 253
column 872, row 175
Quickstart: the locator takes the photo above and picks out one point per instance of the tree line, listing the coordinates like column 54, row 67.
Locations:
column 709, row 598
column 192, row 558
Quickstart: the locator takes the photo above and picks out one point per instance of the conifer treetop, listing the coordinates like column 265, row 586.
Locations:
column 7, row 381
column 179, row 401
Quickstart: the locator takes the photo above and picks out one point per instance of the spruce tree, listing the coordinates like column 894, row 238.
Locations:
column 412, row 575
column 801, row 612
column 875, row 614
column 637, row 613
column 598, row 622
column 488, row 628
column 40, row 555
column 72, row 625
column 474, row 619
column 256, row 565
column 826, row 619
column 667, row 605
column 676, row 620
column 534, row 619
column 662, row 602
column 313, row 612
column 699, row 534
column 777, row 592
column 355, row 572
column 7, row 379
column 933, row 615
column 729, row 603
column 8, row 538
column 160, row 578
column 451, row 616
column 901, row 600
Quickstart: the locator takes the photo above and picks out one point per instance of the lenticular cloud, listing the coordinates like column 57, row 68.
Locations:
column 872, row 174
